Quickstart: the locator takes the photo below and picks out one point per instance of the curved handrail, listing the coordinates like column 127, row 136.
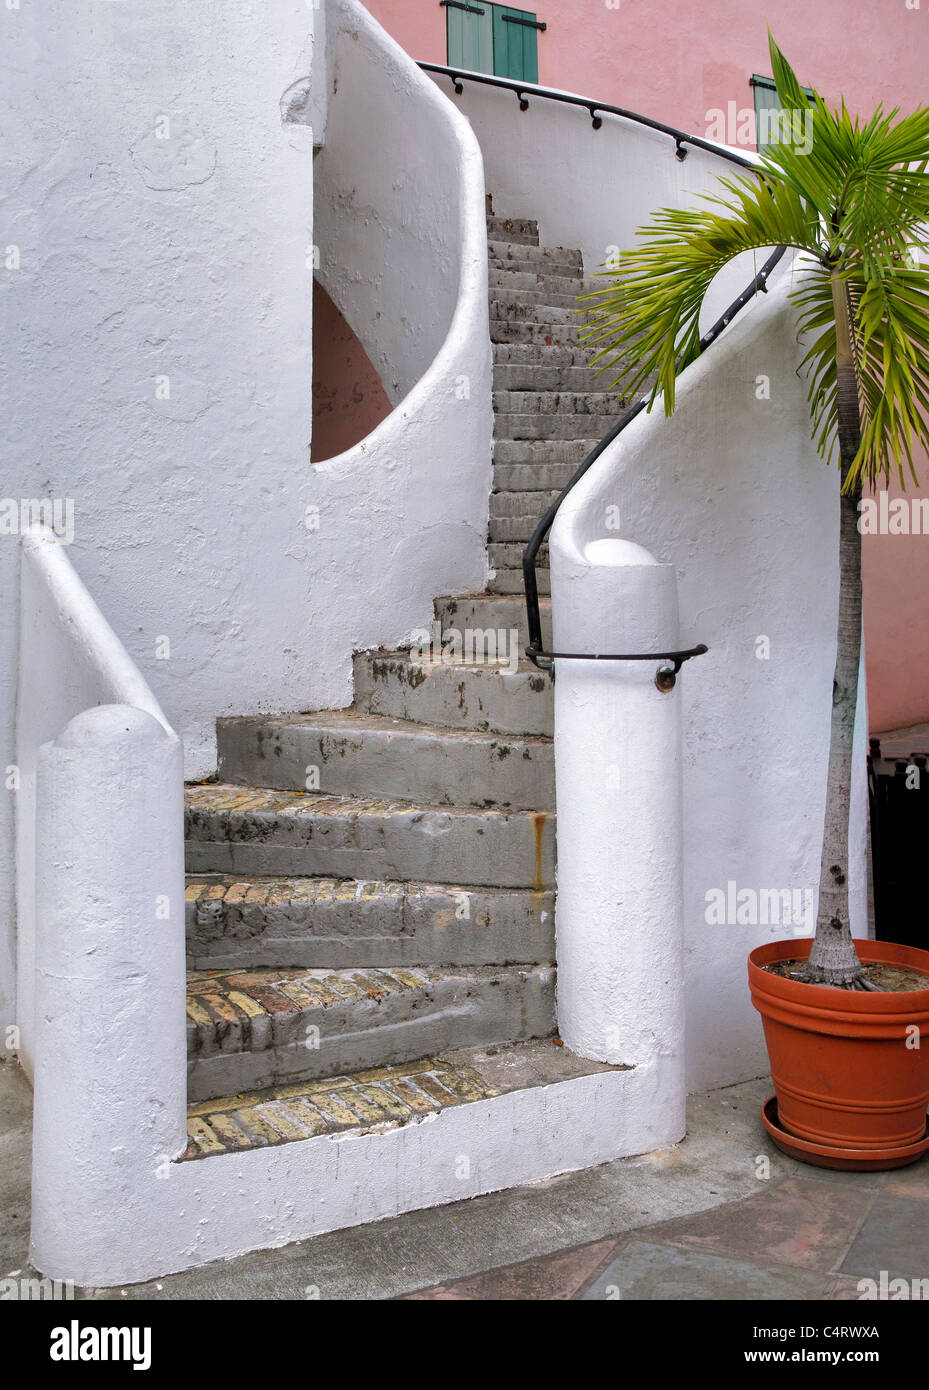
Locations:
column 535, row 650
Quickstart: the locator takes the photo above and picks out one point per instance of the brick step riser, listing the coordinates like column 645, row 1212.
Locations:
column 510, row 774
column 398, row 925
column 458, row 1012
column 406, row 845
column 482, row 698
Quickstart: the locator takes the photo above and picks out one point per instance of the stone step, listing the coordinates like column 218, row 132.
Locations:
column 533, row 451
column 532, row 354
column 514, row 376
column 492, row 611
column 348, row 753
column 531, row 425
column 516, row 331
column 512, row 307
column 508, row 580
column 516, row 231
column 231, row 830
column 377, row 1099
column 536, row 258
column 450, row 694
column 564, row 403
column 510, row 556
column 533, row 287
column 515, row 515
column 257, row 1028
column 571, row 273
column 534, row 477
column 521, row 504
column 236, row 923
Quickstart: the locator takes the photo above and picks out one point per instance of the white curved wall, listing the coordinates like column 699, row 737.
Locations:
column 160, row 377
column 731, row 491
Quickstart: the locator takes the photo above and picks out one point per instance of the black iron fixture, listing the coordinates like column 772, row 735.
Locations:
column 526, row 23
column 460, row 5
column 535, row 651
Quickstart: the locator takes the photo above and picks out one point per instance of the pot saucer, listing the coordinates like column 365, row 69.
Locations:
column 849, row 1160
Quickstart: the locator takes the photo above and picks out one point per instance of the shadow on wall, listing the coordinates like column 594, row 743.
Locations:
column 348, row 398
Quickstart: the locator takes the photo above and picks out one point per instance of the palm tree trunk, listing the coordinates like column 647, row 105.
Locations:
column 833, row 959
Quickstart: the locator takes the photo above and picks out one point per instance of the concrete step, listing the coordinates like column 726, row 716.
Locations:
column 534, row 477
column 533, row 451
column 236, row 923
column 542, row 354
column 535, row 260
column 231, row 830
column 531, row 425
column 513, row 376
column 518, row 331
column 257, row 1028
column 492, row 611
column 377, row 1099
column 510, row 556
column 504, row 699
column 516, row 231
column 509, row 580
column 348, row 753
column 563, row 402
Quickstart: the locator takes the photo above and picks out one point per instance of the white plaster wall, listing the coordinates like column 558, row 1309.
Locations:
column 589, row 189
column 190, row 258
column 731, row 491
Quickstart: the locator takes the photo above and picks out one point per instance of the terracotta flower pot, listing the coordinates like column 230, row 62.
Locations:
column 845, row 1068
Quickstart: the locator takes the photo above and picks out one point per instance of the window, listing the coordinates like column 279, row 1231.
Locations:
column 766, row 101
column 493, row 38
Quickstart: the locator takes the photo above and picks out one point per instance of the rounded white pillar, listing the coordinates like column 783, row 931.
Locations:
column 618, row 918
column 110, row 1053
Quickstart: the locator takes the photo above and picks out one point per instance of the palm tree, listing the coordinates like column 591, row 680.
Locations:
column 854, row 199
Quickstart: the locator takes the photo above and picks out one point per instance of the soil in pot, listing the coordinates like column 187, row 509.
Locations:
column 894, row 979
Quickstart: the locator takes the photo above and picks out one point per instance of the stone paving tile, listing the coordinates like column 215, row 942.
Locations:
column 909, row 1182
column 800, row 1222
column 645, row 1270
column 552, row 1278
column 894, row 1237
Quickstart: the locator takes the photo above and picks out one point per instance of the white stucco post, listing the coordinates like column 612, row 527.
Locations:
column 618, row 781
column 110, row 1052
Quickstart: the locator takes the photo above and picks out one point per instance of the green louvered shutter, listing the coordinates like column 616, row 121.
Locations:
column 470, row 33
column 516, row 46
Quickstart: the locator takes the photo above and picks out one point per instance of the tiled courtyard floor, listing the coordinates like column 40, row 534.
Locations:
column 724, row 1215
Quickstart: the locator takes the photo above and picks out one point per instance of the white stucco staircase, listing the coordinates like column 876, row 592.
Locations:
column 387, row 927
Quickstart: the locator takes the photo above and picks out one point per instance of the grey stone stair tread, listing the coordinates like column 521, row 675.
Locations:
column 493, row 697
column 356, row 753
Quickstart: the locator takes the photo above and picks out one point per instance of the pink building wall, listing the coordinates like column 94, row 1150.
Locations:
column 679, row 63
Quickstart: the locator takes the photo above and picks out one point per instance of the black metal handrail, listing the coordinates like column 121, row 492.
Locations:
column 535, row 650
